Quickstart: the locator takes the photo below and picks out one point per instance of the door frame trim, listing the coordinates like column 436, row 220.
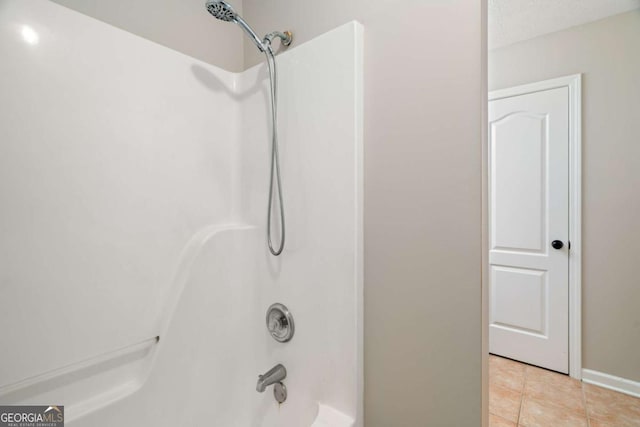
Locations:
column 574, row 85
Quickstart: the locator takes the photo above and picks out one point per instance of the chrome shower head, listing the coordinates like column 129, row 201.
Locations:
column 221, row 10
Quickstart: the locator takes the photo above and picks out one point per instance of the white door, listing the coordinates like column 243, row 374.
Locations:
column 529, row 228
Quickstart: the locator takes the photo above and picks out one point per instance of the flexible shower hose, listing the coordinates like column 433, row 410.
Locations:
column 274, row 174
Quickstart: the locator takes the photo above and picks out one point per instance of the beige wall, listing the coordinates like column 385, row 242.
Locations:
column 608, row 53
column 183, row 25
column 423, row 100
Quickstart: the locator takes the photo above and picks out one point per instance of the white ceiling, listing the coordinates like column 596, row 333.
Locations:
column 511, row 21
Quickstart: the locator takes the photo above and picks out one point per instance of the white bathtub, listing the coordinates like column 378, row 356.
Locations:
column 205, row 366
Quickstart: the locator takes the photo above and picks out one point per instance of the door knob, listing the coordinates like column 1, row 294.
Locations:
column 557, row 244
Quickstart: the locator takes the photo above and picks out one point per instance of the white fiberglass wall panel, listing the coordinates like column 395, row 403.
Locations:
column 216, row 343
column 112, row 155
column 319, row 274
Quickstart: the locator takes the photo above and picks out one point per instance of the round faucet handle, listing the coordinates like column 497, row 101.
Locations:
column 280, row 323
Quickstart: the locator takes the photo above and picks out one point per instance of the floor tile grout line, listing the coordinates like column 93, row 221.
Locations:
column 584, row 402
column 524, row 384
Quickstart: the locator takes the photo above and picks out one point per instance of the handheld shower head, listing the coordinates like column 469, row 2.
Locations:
column 222, row 10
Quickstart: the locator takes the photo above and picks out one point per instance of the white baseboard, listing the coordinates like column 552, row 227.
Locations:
column 611, row 382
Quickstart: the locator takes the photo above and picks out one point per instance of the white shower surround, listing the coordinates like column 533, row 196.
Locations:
column 134, row 187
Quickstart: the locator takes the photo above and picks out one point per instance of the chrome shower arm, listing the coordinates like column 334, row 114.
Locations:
column 285, row 38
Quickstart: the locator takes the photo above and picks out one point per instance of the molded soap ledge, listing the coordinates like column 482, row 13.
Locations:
column 87, row 385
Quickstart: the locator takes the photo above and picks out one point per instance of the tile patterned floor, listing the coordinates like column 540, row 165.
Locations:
column 526, row 396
